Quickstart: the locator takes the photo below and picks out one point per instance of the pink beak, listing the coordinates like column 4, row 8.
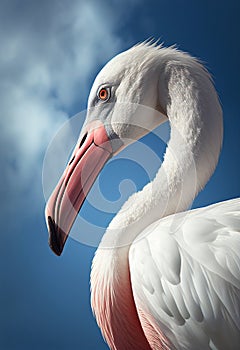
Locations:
column 66, row 200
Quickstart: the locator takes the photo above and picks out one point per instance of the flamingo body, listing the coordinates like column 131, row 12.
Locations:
column 188, row 294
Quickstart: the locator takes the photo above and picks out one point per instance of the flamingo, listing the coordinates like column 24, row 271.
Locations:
column 163, row 276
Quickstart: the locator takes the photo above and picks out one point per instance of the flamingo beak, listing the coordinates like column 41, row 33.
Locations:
column 88, row 159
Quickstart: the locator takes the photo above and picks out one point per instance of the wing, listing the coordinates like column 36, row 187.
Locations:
column 185, row 274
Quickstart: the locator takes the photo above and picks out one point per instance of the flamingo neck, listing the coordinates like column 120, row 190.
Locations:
column 191, row 104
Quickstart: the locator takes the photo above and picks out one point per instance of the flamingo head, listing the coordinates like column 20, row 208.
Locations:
column 115, row 118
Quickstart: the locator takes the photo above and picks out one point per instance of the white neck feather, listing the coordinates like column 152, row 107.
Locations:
column 187, row 96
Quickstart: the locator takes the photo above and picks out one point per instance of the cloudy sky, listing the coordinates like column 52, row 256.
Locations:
column 50, row 54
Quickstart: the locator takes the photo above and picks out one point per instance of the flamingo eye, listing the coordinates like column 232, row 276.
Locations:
column 104, row 94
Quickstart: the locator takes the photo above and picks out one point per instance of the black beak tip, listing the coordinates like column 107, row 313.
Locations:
column 56, row 238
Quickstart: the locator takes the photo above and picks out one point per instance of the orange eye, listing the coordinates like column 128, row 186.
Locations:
column 104, row 94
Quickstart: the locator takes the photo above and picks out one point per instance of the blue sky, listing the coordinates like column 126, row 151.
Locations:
column 50, row 53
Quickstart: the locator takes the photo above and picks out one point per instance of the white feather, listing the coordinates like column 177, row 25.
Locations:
column 189, row 280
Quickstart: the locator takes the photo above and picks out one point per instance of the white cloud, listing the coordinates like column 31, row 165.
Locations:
column 49, row 51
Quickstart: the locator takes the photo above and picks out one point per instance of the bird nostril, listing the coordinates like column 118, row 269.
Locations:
column 71, row 160
column 83, row 140
column 80, row 145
